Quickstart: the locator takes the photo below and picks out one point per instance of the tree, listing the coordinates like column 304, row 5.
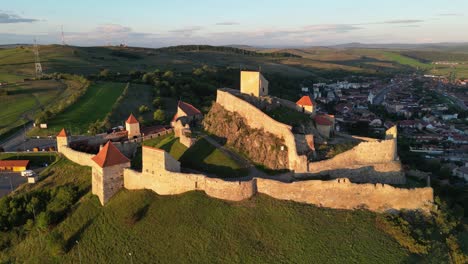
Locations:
column 95, row 128
column 104, row 73
column 157, row 102
column 147, row 78
column 168, row 74
column 143, row 109
column 159, row 116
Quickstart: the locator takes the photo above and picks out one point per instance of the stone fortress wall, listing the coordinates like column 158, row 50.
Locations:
column 342, row 194
column 339, row 193
column 370, row 161
column 161, row 173
column 81, row 158
column 258, row 120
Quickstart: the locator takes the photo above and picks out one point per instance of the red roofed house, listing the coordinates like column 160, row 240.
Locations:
column 187, row 112
column 325, row 124
column 306, row 103
column 133, row 127
column 14, row 165
column 107, row 171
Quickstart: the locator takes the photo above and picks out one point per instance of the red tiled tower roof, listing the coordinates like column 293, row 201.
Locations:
column 63, row 133
column 305, row 100
column 109, row 155
column 131, row 120
column 322, row 120
column 189, row 109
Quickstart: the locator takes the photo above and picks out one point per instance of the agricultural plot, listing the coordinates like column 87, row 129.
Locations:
column 95, row 104
column 24, row 99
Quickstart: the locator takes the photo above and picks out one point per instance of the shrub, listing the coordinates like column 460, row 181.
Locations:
column 159, row 116
column 143, row 109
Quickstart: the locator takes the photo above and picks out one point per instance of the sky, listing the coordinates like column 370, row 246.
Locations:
column 243, row 22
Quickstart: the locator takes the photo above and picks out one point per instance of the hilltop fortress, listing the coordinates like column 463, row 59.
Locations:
column 372, row 163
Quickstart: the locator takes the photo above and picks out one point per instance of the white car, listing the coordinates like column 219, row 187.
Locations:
column 27, row 173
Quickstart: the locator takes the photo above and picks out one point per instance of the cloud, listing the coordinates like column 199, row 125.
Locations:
column 450, row 14
column 113, row 29
column 187, row 31
column 227, row 23
column 402, row 21
column 337, row 28
column 6, row 18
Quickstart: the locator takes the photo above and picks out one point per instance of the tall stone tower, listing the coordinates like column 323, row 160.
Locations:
column 132, row 126
column 107, row 171
column 253, row 83
column 62, row 140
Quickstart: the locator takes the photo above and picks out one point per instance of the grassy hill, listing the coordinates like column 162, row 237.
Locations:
column 93, row 105
column 58, row 221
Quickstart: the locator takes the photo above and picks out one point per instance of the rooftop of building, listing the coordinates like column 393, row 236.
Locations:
column 109, row 155
column 62, row 133
column 14, row 163
column 131, row 120
column 305, row 100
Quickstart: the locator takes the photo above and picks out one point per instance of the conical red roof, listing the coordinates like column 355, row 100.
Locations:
column 109, row 155
column 305, row 100
column 62, row 133
column 131, row 120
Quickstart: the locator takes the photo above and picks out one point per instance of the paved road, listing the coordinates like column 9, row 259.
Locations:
column 19, row 141
column 380, row 97
column 9, row 180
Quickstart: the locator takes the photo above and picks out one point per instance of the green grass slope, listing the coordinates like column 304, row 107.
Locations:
column 193, row 228
column 202, row 156
column 95, row 104
column 24, row 100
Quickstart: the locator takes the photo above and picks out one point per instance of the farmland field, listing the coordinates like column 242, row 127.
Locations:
column 24, row 99
column 95, row 104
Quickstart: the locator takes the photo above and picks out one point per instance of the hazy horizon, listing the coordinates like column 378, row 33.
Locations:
column 293, row 24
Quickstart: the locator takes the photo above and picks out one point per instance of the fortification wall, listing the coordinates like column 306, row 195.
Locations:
column 342, row 194
column 81, row 158
column 172, row 183
column 258, row 120
column 369, row 161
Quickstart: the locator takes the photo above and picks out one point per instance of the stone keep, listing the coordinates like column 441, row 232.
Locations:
column 107, row 172
column 62, row 140
column 253, row 83
column 132, row 126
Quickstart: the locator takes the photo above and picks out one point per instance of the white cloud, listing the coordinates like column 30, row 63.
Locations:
column 6, row 18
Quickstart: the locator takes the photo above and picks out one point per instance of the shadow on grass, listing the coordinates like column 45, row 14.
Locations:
column 195, row 158
column 72, row 241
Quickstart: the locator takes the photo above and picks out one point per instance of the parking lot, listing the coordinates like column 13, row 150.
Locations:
column 9, row 180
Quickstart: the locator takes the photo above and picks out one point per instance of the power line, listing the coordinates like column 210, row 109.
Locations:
column 37, row 61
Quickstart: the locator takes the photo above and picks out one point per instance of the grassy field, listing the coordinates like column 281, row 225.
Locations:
column 192, row 228
column 202, row 156
column 80, row 60
column 25, row 99
column 94, row 105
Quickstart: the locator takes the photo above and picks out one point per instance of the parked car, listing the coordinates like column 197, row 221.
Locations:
column 27, row 173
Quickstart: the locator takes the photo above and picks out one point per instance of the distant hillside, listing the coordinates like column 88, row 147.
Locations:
column 447, row 47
